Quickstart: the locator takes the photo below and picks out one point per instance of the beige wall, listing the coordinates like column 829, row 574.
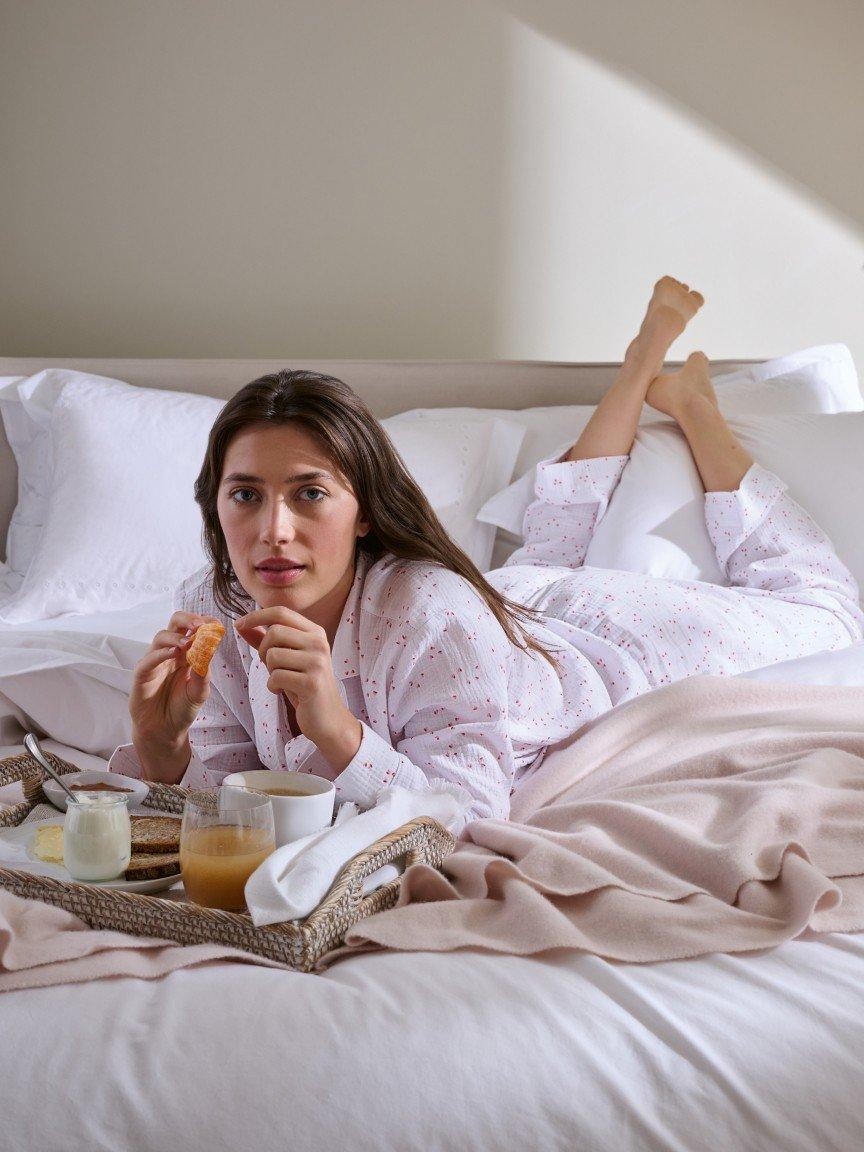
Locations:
column 387, row 178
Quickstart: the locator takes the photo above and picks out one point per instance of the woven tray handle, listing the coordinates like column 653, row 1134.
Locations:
column 29, row 773
column 398, row 848
column 23, row 768
column 27, row 770
column 421, row 841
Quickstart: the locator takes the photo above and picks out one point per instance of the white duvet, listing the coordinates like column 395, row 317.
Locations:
column 426, row 1051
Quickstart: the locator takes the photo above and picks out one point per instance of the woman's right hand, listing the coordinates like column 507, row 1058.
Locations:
column 166, row 693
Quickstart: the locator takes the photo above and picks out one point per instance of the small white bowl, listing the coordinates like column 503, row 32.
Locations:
column 138, row 789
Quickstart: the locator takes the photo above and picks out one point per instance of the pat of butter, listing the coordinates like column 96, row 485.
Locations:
column 48, row 845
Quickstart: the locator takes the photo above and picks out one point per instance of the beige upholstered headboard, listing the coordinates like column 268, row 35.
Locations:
column 387, row 386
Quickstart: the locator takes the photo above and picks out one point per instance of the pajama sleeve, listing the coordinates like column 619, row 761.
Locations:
column 768, row 544
column 220, row 745
column 220, row 742
column 571, row 498
column 447, row 705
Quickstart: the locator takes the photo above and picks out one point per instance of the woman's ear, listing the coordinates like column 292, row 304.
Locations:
column 363, row 527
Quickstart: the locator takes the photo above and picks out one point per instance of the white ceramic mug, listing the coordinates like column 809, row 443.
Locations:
column 293, row 816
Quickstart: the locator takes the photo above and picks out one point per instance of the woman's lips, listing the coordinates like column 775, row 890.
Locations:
column 280, row 576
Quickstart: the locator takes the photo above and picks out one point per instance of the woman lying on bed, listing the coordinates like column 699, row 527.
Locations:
column 364, row 646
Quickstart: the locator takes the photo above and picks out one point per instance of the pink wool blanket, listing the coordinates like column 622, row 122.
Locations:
column 42, row 945
column 711, row 815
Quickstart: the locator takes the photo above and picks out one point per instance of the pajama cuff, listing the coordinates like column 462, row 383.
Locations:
column 375, row 765
column 579, row 481
column 124, row 760
column 733, row 516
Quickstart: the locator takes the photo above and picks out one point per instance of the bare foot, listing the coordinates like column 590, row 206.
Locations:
column 670, row 391
column 671, row 307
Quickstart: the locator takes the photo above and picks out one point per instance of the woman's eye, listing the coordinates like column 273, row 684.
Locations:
column 314, row 492
column 238, row 491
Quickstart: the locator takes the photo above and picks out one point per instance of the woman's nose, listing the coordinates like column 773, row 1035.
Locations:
column 279, row 526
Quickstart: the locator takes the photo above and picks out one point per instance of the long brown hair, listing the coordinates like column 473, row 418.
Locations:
column 402, row 520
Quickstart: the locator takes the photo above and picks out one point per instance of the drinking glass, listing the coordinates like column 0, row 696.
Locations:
column 224, row 836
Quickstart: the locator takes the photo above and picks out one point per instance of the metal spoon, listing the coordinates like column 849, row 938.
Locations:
column 32, row 746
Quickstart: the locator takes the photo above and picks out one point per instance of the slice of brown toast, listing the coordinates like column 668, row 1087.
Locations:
column 155, row 834
column 152, row 865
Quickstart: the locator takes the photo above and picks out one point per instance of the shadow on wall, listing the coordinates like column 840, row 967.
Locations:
column 496, row 178
column 781, row 77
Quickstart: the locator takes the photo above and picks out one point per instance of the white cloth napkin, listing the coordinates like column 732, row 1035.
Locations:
column 294, row 879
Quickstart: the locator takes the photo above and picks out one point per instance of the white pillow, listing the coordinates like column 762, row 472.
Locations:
column 459, row 464
column 120, row 525
column 819, row 379
column 25, row 406
column 111, row 511
column 9, row 581
column 655, row 522
column 543, row 427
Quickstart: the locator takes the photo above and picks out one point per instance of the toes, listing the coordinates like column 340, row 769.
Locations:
column 671, row 282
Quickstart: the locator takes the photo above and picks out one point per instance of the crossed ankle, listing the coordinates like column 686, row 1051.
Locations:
column 641, row 365
column 695, row 406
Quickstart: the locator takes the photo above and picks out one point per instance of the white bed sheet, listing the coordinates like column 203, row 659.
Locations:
column 417, row 1051
column 69, row 677
column 140, row 622
column 845, row 667
column 440, row 1052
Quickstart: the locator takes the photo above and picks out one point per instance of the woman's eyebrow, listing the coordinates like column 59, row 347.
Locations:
column 246, row 478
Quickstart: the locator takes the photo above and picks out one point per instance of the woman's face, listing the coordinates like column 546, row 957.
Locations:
column 281, row 496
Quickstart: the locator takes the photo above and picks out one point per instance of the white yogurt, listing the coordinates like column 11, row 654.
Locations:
column 97, row 837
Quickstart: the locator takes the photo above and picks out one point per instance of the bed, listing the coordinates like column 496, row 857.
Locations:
column 415, row 1051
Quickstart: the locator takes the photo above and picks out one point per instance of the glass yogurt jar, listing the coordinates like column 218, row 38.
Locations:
column 97, row 836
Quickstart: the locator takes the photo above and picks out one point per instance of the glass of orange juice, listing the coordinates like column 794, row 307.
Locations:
column 224, row 836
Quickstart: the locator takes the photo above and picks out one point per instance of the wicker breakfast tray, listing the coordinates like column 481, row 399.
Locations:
column 299, row 943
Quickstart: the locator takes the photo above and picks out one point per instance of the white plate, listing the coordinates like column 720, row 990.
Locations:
column 16, row 852
column 59, row 798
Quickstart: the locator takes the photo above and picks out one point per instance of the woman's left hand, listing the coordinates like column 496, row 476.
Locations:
column 297, row 655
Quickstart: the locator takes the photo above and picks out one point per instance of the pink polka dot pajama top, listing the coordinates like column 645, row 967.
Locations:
column 444, row 697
